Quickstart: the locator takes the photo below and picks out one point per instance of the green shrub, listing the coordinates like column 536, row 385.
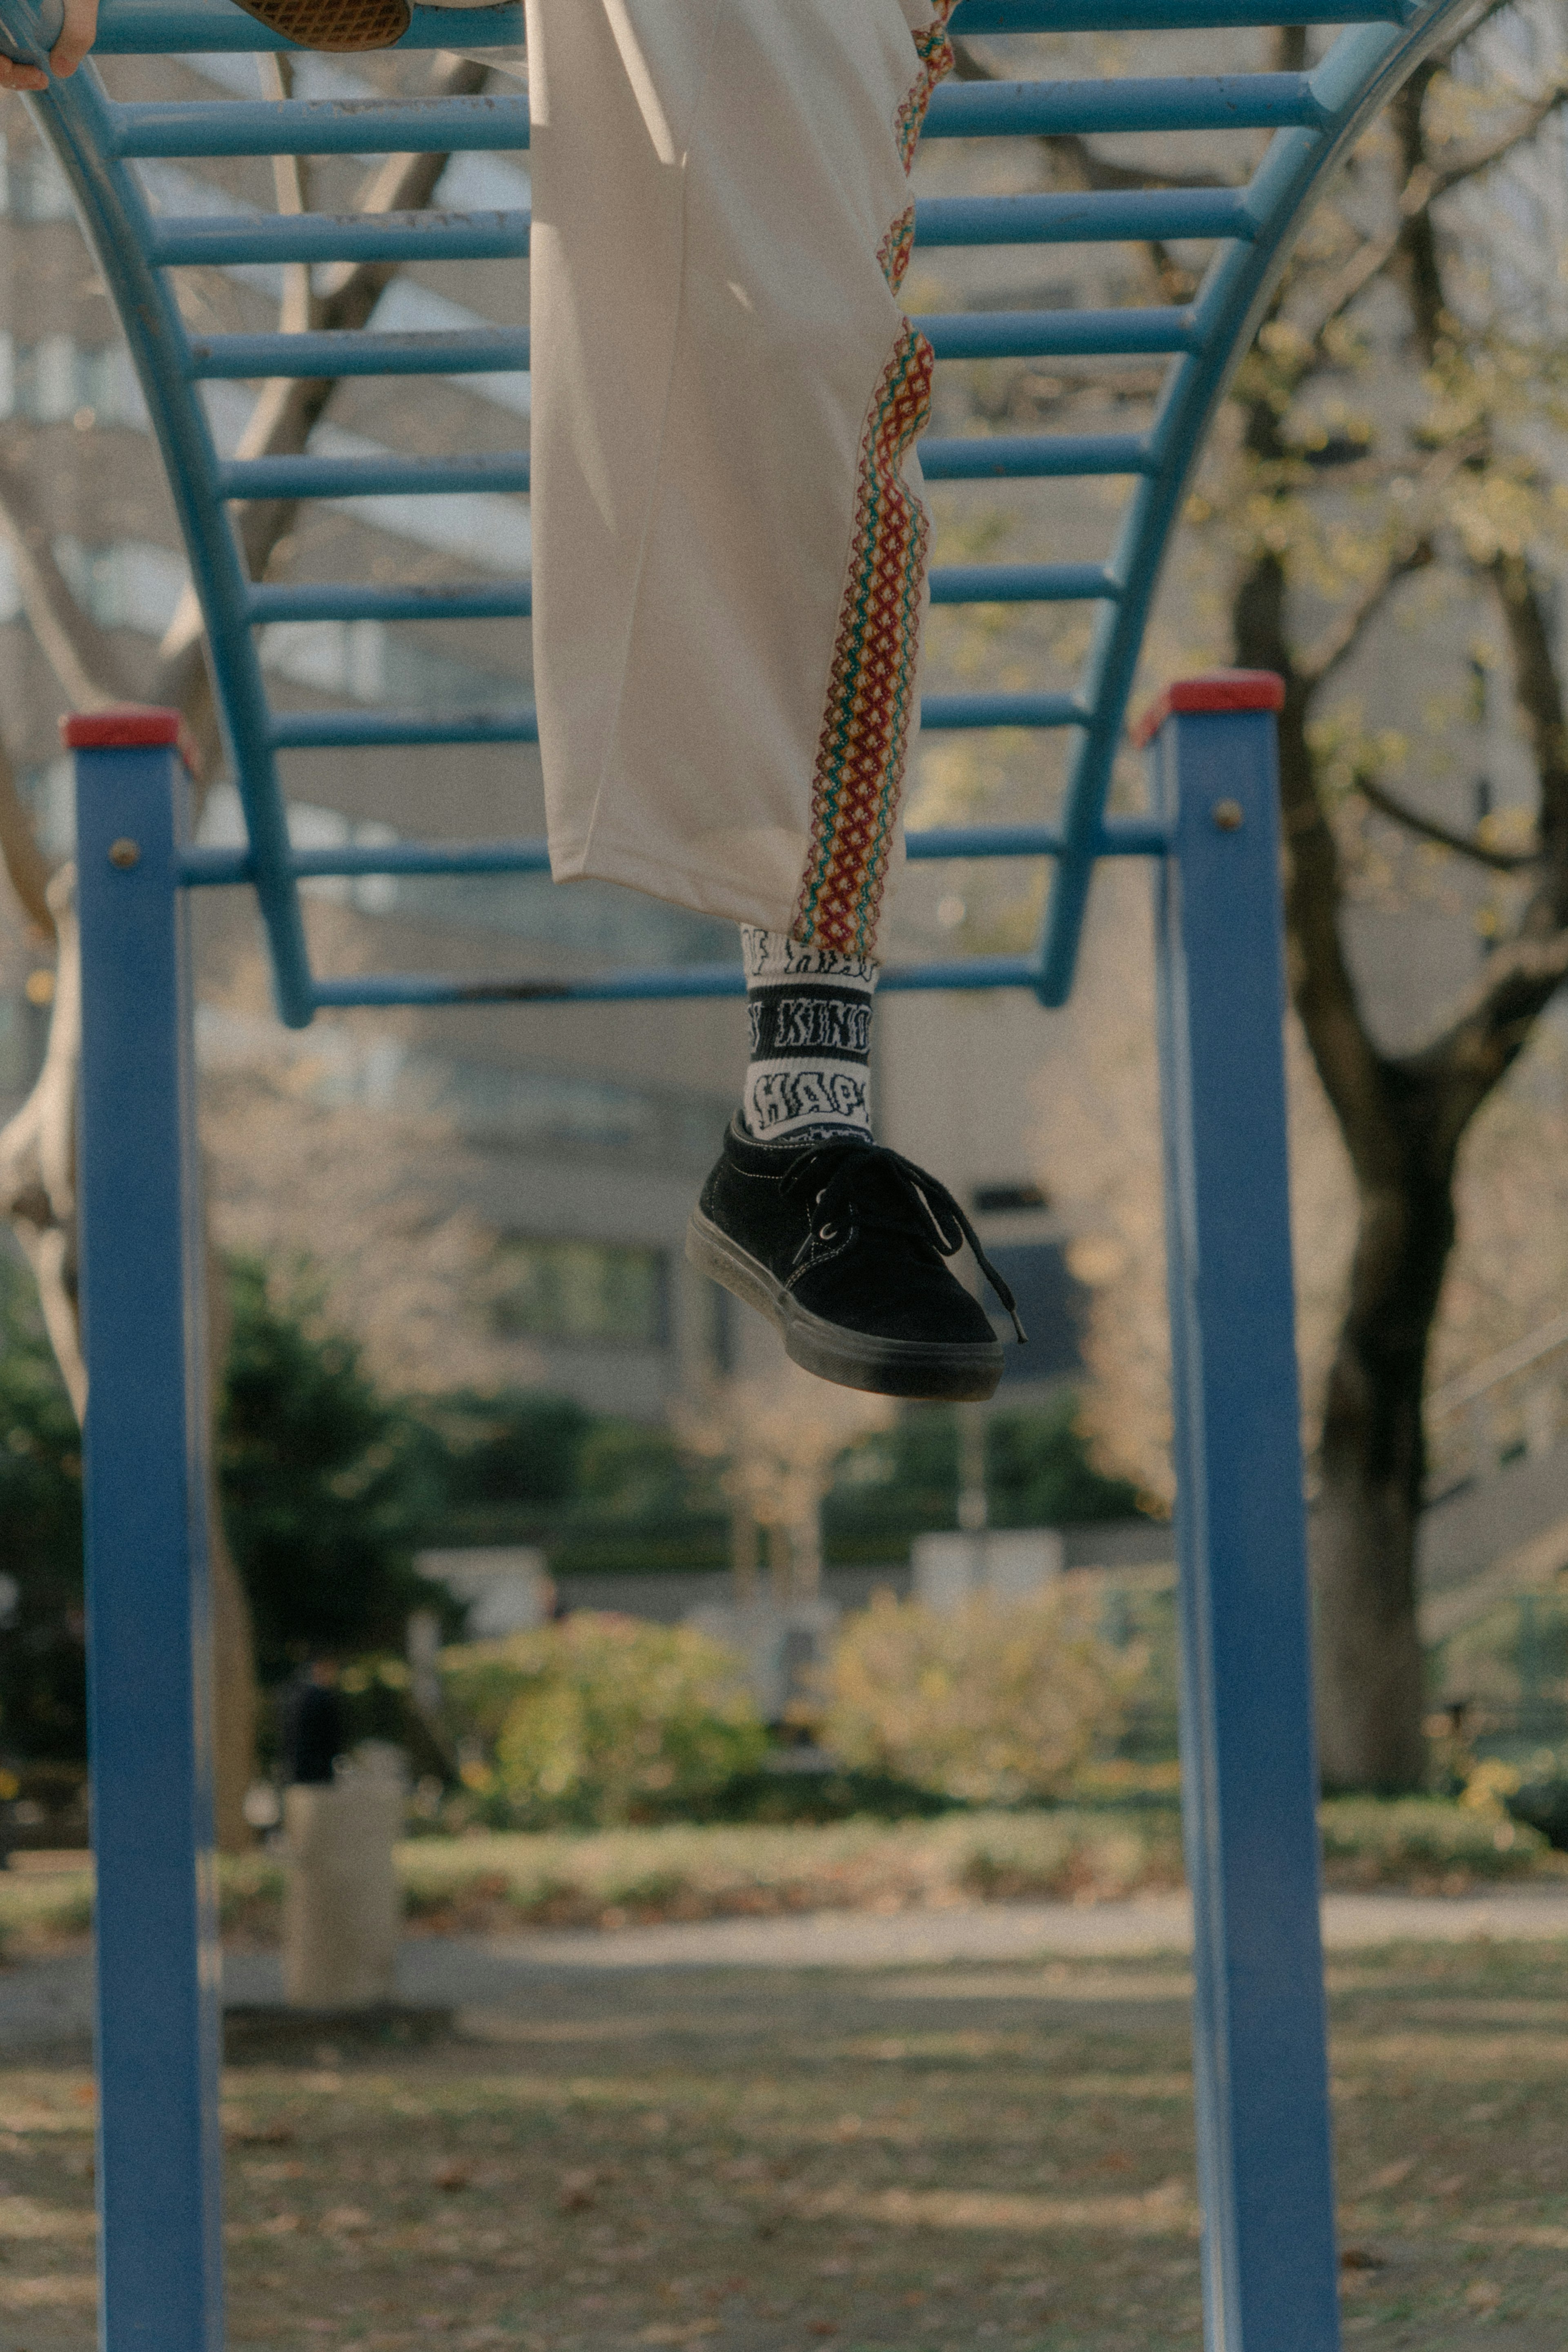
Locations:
column 43, row 1660
column 993, row 1703
column 599, row 1720
column 325, row 1491
column 1370, row 1840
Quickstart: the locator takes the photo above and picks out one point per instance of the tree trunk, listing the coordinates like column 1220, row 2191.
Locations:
column 1402, row 1134
column 1371, row 1697
column 1369, row 1669
column 234, row 1646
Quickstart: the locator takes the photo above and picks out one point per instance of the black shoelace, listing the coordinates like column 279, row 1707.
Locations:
column 879, row 1187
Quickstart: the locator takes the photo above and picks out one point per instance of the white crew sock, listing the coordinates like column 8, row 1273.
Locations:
column 810, row 1040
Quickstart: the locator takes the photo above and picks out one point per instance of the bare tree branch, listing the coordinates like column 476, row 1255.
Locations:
column 1412, row 553
column 25, row 866
column 1538, row 697
column 1340, row 640
column 1463, row 844
column 1089, row 169
column 78, row 650
column 291, row 182
column 1462, row 163
column 1420, row 192
column 38, row 1155
column 1321, row 987
column 1460, row 1067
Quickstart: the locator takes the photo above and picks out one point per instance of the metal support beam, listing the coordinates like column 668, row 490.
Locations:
column 1249, row 1764
column 149, row 1643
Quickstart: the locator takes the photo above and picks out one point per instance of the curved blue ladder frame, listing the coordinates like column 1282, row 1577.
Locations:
column 1212, row 835
column 1315, row 115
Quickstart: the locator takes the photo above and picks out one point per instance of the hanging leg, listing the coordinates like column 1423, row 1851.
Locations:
column 730, row 542
column 1249, row 1764
column 149, row 1648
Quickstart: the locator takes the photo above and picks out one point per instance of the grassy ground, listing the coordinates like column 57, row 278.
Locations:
column 925, row 2160
column 1083, row 1853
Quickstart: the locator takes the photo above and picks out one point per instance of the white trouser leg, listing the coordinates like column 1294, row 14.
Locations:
column 729, row 541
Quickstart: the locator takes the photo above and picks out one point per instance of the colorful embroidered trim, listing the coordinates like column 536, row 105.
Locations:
column 896, row 247
column 865, row 735
column 864, row 742
column 935, row 51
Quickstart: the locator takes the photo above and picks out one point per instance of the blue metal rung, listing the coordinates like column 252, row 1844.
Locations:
column 1047, row 110
column 502, row 599
column 336, row 126
column 362, row 730
column 1034, row 457
column 369, row 478
column 461, row 351
column 204, row 868
column 947, row 712
column 1020, row 583
column 224, row 242
column 1057, row 334
column 951, row 583
column 323, row 731
column 657, row 986
column 1094, row 216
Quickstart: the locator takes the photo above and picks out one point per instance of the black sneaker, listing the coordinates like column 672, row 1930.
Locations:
column 843, row 1246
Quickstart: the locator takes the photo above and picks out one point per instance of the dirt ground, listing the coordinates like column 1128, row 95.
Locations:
column 931, row 2159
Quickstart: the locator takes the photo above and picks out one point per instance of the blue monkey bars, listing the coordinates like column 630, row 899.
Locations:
column 1212, row 839
column 1315, row 116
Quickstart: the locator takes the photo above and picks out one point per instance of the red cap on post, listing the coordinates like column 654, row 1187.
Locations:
column 122, row 728
column 127, row 727
column 1212, row 689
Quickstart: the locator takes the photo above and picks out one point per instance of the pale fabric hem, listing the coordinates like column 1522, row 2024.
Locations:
column 685, row 648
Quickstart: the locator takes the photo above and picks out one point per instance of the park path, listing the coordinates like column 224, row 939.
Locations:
column 47, row 2002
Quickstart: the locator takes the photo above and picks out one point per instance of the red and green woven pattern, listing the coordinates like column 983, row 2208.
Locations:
column 935, row 54
column 871, row 695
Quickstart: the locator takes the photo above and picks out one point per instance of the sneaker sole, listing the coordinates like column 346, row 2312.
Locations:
column 335, row 27
column 959, row 1372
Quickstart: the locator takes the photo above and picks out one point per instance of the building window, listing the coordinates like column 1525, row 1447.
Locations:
column 601, row 1292
column 1051, row 1305
column 999, row 1200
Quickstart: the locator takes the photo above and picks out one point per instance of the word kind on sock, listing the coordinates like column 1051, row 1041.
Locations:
column 809, row 1073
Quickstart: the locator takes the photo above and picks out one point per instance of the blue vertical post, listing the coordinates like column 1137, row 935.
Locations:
column 1249, row 1757
column 149, row 1646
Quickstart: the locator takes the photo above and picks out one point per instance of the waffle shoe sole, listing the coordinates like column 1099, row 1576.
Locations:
column 337, row 26
column 959, row 1372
